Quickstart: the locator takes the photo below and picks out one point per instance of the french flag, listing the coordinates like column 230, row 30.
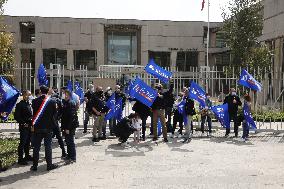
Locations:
column 202, row 5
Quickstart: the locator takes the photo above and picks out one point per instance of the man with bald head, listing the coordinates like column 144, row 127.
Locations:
column 23, row 115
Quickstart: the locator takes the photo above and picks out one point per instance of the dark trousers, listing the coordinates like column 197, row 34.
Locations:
column 47, row 145
column 245, row 130
column 112, row 124
column 152, row 121
column 57, row 133
column 24, row 145
column 168, row 115
column 209, row 121
column 86, row 121
column 177, row 119
column 236, row 127
column 143, row 127
column 71, row 150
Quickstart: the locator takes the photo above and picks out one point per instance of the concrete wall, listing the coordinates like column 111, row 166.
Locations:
column 82, row 34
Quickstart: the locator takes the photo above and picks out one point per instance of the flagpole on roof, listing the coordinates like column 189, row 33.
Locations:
column 208, row 41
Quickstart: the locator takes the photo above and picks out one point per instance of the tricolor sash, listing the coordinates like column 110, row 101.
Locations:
column 40, row 110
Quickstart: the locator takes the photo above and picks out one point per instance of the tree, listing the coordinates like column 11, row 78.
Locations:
column 6, row 48
column 243, row 24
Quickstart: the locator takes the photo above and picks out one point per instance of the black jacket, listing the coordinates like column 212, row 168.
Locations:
column 233, row 107
column 69, row 119
column 189, row 107
column 169, row 99
column 99, row 104
column 23, row 113
column 47, row 121
column 123, row 128
column 141, row 109
column 159, row 103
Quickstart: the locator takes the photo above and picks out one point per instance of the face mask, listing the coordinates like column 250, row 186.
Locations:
column 234, row 93
column 31, row 98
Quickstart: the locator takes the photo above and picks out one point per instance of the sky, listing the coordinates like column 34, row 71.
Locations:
column 177, row 10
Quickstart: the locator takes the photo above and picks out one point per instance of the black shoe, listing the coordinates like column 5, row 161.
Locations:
column 84, row 131
column 96, row 140
column 29, row 158
column 70, row 161
column 64, row 155
column 22, row 162
column 51, row 167
column 155, row 139
column 103, row 138
column 166, row 140
column 33, row 168
column 186, row 140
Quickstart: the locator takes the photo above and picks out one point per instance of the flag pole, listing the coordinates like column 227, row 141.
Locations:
column 208, row 41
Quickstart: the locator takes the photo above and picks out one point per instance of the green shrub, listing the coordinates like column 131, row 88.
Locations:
column 8, row 152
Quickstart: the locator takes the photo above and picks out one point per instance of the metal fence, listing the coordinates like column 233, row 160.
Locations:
column 268, row 104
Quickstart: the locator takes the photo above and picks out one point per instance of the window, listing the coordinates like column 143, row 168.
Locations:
column 222, row 59
column 162, row 59
column 54, row 56
column 122, row 48
column 220, row 40
column 85, row 58
column 27, row 30
column 185, row 60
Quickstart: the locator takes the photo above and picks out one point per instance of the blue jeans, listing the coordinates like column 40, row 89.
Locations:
column 47, row 145
column 71, row 151
column 24, row 145
column 209, row 121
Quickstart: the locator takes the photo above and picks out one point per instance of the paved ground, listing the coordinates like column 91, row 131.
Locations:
column 202, row 163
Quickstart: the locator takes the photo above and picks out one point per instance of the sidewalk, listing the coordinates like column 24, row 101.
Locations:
column 215, row 162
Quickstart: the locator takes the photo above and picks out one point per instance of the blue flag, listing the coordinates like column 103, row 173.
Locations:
column 158, row 72
column 248, row 81
column 197, row 93
column 181, row 110
column 142, row 92
column 115, row 111
column 111, row 102
column 42, row 76
column 159, row 127
column 79, row 91
column 70, row 85
column 8, row 97
column 118, row 110
column 222, row 114
column 248, row 116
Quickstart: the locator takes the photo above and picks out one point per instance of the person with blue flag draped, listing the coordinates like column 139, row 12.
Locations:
column 42, row 76
column 8, row 98
column 178, row 114
column 248, row 81
column 233, row 101
column 248, row 119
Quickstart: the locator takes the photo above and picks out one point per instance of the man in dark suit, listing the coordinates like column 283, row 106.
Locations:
column 23, row 114
column 69, row 123
column 233, row 102
column 43, row 127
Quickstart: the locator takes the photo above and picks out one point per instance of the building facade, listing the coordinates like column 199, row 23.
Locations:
column 273, row 31
column 94, row 42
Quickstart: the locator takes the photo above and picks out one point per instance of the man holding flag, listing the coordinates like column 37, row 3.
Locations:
column 233, row 102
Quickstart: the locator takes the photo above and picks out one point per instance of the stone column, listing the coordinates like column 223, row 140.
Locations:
column 70, row 58
column 173, row 59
